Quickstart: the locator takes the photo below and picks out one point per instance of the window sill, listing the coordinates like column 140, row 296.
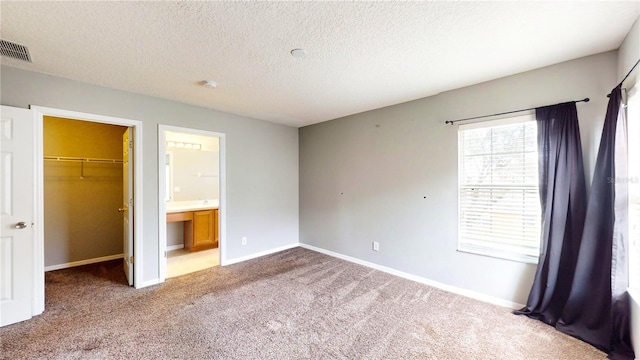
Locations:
column 500, row 255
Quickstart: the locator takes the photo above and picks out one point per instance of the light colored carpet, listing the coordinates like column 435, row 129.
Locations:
column 297, row 304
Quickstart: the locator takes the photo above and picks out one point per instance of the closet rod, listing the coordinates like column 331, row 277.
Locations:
column 505, row 113
column 78, row 159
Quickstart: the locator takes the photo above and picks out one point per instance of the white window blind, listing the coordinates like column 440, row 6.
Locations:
column 633, row 127
column 499, row 203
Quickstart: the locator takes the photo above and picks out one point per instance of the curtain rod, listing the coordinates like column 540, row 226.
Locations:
column 628, row 74
column 451, row 122
column 630, row 71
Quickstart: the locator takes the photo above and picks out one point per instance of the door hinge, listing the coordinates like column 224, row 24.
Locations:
column 130, row 202
column 165, row 253
column 131, row 259
column 130, row 144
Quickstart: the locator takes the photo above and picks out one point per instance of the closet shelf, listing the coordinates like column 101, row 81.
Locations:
column 78, row 159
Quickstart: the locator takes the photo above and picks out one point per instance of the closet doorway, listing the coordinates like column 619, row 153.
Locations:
column 191, row 186
column 86, row 177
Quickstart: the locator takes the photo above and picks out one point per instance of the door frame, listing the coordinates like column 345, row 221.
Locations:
column 222, row 204
column 39, row 113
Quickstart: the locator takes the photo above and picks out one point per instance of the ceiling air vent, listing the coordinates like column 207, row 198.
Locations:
column 13, row 50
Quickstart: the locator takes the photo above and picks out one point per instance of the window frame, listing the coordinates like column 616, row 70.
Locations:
column 633, row 108
column 487, row 251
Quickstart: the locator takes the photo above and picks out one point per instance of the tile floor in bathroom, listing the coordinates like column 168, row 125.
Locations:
column 181, row 261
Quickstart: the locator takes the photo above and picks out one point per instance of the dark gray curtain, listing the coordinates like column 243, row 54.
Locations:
column 563, row 201
column 597, row 310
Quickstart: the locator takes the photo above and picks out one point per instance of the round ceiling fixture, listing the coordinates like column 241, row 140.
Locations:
column 210, row 84
column 299, row 53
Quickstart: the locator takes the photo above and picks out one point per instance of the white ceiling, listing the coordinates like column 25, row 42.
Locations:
column 360, row 55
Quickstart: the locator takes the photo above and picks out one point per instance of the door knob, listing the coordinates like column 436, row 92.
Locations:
column 21, row 225
column 121, row 210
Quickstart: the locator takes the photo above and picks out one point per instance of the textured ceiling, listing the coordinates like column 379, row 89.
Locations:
column 360, row 55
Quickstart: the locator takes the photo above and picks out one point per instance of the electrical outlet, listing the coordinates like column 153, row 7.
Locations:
column 376, row 246
column 244, row 240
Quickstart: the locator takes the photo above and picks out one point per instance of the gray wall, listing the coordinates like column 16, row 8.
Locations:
column 629, row 53
column 390, row 175
column 262, row 158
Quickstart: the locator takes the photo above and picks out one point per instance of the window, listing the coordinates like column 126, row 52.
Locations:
column 498, row 196
column 633, row 134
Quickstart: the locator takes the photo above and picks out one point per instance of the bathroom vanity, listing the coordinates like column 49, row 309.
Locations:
column 200, row 222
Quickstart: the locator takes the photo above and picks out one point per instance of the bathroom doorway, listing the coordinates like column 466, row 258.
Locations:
column 190, row 183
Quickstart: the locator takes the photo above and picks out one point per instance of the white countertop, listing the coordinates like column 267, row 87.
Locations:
column 180, row 206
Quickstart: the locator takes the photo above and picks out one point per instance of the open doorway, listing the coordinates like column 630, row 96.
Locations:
column 133, row 210
column 87, row 191
column 84, row 170
column 191, row 187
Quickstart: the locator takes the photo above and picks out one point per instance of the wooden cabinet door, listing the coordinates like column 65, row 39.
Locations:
column 203, row 230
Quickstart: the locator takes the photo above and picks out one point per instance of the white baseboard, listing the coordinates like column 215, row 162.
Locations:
column 419, row 279
column 175, row 247
column 83, row 262
column 257, row 255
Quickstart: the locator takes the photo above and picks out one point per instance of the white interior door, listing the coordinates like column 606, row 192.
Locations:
column 17, row 210
column 127, row 203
